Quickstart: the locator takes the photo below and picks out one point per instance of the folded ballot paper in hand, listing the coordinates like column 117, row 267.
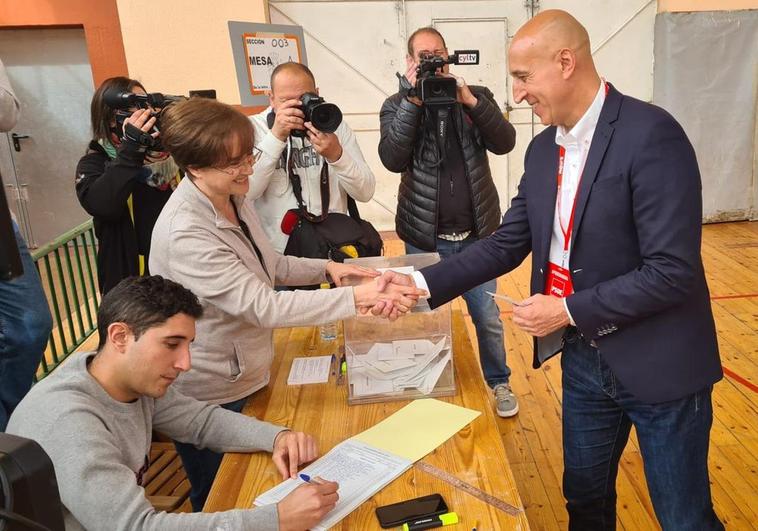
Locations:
column 366, row 463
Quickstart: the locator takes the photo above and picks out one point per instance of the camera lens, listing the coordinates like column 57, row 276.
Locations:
column 326, row 117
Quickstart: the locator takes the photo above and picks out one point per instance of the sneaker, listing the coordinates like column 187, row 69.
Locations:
column 506, row 401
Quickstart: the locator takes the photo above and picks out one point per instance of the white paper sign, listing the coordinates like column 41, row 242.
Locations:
column 264, row 52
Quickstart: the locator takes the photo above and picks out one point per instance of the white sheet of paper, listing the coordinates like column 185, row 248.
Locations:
column 435, row 371
column 309, row 370
column 408, row 348
column 424, row 361
column 380, row 351
column 392, row 365
column 365, row 382
column 361, row 471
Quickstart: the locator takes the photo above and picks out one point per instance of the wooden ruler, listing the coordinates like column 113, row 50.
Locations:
column 468, row 488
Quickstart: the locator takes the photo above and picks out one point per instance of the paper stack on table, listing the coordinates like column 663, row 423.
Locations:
column 401, row 364
column 309, row 370
column 366, row 463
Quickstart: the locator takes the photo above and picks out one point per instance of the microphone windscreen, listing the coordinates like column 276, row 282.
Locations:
column 289, row 222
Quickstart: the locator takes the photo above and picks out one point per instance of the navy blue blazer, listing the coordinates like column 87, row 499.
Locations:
column 640, row 289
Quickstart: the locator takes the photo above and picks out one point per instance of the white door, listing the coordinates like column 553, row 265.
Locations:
column 51, row 76
column 356, row 46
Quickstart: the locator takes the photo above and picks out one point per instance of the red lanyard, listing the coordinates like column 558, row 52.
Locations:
column 567, row 231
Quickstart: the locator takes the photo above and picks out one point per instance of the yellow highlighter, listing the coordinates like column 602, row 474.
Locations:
column 429, row 522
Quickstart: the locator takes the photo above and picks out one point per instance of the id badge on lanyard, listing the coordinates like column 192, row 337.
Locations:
column 558, row 282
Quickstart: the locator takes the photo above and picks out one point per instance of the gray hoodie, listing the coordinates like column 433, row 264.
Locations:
column 100, row 447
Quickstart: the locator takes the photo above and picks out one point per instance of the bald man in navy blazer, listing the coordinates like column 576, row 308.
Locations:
column 610, row 207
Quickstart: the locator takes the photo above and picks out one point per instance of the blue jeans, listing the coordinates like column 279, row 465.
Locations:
column 598, row 413
column 484, row 313
column 25, row 326
column 201, row 465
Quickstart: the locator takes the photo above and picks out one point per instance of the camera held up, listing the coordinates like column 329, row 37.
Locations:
column 435, row 90
column 326, row 117
column 123, row 101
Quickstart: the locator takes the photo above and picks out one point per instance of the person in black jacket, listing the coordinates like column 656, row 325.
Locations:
column 123, row 185
column 447, row 198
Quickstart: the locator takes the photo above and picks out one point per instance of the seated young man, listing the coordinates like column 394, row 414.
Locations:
column 94, row 416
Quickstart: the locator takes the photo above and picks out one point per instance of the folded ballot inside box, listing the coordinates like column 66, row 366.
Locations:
column 405, row 359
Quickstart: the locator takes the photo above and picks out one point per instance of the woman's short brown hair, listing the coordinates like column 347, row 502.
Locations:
column 101, row 114
column 203, row 133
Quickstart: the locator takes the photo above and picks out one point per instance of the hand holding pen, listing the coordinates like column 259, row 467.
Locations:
column 305, row 506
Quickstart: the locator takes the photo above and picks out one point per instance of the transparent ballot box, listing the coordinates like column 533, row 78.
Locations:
column 411, row 357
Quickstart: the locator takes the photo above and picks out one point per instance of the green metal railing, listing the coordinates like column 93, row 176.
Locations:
column 68, row 269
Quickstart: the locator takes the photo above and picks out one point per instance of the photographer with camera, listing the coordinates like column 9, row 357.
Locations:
column 307, row 151
column 436, row 132
column 124, row 179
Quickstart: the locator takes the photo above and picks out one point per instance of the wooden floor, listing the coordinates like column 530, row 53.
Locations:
column 533, row 438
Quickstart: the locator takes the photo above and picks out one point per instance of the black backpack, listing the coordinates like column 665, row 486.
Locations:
column 331, row 235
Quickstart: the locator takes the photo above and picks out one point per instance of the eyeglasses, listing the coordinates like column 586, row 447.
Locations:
column 249, row 160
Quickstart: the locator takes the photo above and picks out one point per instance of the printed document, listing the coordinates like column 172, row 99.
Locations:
column 309, row 370
column 366, row 463
column 360, row 469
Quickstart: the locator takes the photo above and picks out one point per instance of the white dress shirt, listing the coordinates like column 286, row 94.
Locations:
column 577, row 143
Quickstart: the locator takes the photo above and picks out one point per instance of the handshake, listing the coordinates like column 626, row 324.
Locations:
column 389, row 294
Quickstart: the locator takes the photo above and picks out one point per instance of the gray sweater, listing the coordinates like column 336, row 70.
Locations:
column 99, row 448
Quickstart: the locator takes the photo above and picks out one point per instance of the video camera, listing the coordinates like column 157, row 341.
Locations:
column 326, row 117
column 435, row 90
column 123, row 101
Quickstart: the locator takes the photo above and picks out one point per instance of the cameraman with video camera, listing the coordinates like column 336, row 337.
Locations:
column 436, row 132
column 292, row 147
column 124, row 179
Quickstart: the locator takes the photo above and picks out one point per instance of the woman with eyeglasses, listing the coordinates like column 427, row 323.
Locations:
column 209, row 239
column 123, row 185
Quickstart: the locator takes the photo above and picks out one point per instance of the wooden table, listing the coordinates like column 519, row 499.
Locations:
column 475, row 454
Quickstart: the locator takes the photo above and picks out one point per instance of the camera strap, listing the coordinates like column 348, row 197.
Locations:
column 440, row 133
column 138, row 136
column 297, row 188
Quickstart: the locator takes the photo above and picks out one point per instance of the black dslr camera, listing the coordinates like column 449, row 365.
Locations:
column 435, row 90
column 326, row 117
column 122, row 101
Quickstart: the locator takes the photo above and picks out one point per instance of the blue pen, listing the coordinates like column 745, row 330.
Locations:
column 308, row 479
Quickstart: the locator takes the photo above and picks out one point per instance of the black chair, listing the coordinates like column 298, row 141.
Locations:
column 29, row 497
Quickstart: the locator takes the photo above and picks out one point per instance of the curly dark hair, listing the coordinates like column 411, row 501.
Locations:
column 144, row 302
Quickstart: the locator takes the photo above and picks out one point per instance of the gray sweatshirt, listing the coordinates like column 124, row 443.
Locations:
column 99, row 448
